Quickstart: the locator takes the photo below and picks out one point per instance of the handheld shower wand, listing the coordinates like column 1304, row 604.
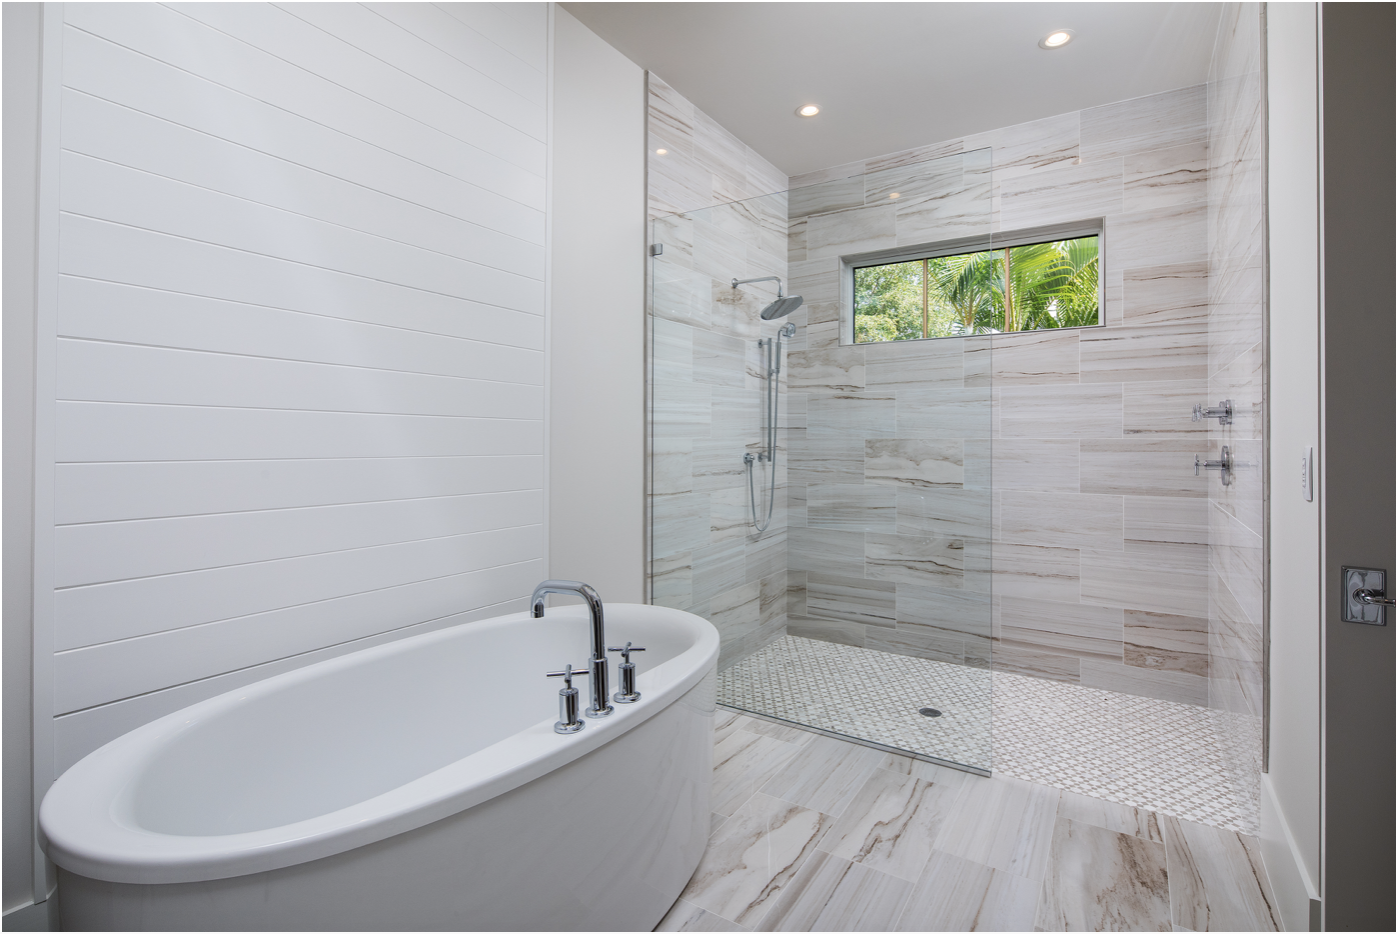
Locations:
column 771, row 416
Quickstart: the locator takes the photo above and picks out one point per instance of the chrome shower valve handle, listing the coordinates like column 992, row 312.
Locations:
column 627, row 693
column 569, row 722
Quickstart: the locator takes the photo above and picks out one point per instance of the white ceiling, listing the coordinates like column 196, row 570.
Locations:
column 893, row 76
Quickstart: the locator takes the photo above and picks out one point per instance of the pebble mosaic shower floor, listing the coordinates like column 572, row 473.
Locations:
column 1164, row 756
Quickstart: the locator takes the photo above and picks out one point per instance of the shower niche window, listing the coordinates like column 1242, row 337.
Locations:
column 1026, row 280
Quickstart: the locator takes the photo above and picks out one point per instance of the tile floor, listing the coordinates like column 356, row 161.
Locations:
column 814, row 833
column 1140, row 752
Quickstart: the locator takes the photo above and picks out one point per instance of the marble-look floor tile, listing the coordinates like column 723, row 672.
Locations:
column 956, row 894
column 686, row 916
column 1003, row 823
column 1121, row 818
column 1217, row 881
column 788, row 734
column 743, row 762
column 892, row 821
column 1101, row 880
column 753, row 856
column 824, row 774
column 832, row 894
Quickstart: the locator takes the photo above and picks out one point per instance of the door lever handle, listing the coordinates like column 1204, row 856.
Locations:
column 1373, row 597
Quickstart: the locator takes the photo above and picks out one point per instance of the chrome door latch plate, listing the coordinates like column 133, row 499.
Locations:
column 1364, row 596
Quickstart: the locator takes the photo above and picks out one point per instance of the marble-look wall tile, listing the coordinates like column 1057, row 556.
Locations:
column 1051, row 466
column 1163, row 408
column 1101, row 880
column 922, row 560
column 1159, row 577
column 718, row 568
column 944, row 609
column 1061, row 411
column 1177, row 686
column 913, row 465
column 1166, row 519
column 943, row 413
column 842, row 632
column 1038, row 572
column 924, row 364
column 671, row 580
column 827, row 551
column 1073, row 520
column 831, row 459
column 959, row 211
column 827, row 195
column 1154, row 352
column 852, row 414
column 1022, row 660
column 1142, row 467
column 858, row 230
column 851, row 507
column 1164, row 177
column 1165, row 642
column 827, row 370
column 1062, row 193
column 917, row 642
column 945, row 513
column 1174, row 293
column 1159, row 121
column 1074, row 629
column 1032, row 358
column 1157, row 237
column 854, row 599
column 1028, row 148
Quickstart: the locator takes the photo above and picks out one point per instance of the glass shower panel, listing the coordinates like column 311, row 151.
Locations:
column 864, row 608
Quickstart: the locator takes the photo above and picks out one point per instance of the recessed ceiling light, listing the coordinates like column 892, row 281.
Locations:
column 1056, row 39
column 661, row 152
column 895, row 194
column 808, row 110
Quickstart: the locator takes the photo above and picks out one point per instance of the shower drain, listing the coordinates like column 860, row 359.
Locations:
column 929, row 712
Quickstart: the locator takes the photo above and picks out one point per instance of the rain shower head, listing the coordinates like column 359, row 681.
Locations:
column 782, row 306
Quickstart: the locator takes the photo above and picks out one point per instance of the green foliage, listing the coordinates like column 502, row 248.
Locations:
column 1048, row 285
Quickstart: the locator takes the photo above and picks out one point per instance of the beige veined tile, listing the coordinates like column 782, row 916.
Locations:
column 1161, row 236
column 742, row 762
column 1003, row 823
column 1163, row 408
column 1101, row 880
column 1169, row 294
column 915, row 464
column 856, row 600
column 1075, row 629
column 955, row 894
column 1216, row 879
column 686, row 916
column 832, row 894
column 1163, row 177
column 1061, row 411
column 1166, row 642
column 1052, row 466
column 753, row 856
column 1157, row 121
column 1145, row 353
column 1030, row 358
column 852, row 231
column 824, row 774
column 1121, row 818
column 788, row 734
column 891, row 822
column 1179, row 687
column 1069, row 520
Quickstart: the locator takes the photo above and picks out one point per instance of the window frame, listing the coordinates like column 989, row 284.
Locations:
column 1091, row 227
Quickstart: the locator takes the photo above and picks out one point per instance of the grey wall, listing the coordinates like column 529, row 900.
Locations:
column 21, row 115
column 1359, row 201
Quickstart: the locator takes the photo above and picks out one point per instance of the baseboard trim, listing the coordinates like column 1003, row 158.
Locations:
column 1297, row 897
column 35, row 916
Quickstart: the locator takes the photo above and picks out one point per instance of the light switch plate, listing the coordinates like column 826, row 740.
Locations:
column 1355, row 579
column 1306, row 475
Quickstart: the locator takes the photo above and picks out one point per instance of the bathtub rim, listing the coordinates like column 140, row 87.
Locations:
column 86, row 826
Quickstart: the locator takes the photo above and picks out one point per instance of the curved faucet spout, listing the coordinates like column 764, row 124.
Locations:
column 600, row 680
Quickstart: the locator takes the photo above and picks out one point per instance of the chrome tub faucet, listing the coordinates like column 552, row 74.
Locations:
column 599, row 673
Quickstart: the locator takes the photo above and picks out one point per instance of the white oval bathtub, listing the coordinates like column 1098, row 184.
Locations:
column 411, row 786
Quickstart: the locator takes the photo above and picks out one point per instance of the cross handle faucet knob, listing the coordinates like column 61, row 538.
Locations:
column 625, row 651
column 568, row 673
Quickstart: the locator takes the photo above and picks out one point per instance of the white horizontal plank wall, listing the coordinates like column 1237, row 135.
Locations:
column 300, row 339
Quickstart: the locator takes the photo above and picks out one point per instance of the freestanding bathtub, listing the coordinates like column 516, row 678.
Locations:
column 416, row 785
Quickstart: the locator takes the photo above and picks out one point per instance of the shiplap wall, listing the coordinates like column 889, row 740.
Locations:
column 300, row 368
